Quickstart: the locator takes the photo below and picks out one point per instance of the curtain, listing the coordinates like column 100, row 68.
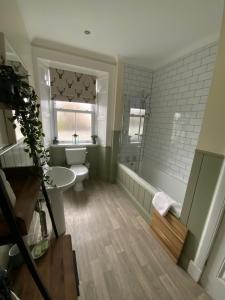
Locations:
column 72, row 86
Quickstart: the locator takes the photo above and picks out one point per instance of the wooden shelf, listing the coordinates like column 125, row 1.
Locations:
column 57, row 270
column 26, row 186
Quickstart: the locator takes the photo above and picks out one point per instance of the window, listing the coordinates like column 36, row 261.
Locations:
column 136, row 124
column 71, row 118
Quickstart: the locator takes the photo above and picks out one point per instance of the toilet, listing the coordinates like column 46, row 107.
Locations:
column 76, row 158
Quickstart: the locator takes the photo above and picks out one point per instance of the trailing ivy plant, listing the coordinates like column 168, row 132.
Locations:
column 18, row 95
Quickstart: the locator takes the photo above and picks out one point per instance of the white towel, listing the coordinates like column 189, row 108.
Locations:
column 8, row 188
column 162, row 203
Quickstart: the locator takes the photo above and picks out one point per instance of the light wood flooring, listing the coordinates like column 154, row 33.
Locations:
column 118, row 257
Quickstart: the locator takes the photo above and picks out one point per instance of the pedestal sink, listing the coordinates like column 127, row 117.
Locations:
column 62, row 179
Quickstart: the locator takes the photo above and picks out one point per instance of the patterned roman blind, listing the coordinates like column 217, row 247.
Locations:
column 72, row 86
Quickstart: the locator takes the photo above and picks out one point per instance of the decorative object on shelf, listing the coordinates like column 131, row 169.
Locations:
column 42, row 217
column 40, row 249
column 15, row 257
column 18, row 95
column 4, row 285
column 94, row 139
column 55, row 141
column 75, row 138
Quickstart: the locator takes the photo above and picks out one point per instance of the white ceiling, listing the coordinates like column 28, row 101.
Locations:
column 143, row 32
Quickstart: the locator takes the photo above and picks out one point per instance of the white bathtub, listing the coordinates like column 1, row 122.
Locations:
column 140, row 191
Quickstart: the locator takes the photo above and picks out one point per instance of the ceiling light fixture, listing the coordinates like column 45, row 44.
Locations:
column 87, row 32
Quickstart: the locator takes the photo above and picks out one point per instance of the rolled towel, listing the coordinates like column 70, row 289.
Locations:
column 8, row 188
column 162, row 203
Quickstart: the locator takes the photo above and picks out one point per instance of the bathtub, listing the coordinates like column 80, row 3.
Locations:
column 140, row 191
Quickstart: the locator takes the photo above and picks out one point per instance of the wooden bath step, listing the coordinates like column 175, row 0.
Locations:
column 170, row 232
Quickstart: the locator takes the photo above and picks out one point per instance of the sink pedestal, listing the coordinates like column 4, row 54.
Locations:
column 62, row 179
column 56, row 199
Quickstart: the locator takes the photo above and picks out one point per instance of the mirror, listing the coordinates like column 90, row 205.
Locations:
column 9, row 135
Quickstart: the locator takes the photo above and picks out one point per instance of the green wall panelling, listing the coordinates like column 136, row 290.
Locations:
column 98, row 157
column 124, row 179
column 195, row 170
column 136, row 187
column 57, row 156
column 201, row 186
column 141, row 195
column 114, row 155
column 131, row 186
column 127, row 181
column 92, row 157
column 104, row 162
column 148, row 201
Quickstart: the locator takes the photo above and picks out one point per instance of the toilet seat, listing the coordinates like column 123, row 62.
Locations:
column 80, row 171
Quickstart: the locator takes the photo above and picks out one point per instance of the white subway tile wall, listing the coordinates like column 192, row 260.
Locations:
column 179, row 96
column 137, row 82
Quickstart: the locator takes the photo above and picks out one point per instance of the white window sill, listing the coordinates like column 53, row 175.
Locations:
column 72, row 145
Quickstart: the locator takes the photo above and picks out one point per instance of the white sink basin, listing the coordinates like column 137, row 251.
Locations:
column 62, row 179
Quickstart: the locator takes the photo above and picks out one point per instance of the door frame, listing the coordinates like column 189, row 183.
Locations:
column 212, row 224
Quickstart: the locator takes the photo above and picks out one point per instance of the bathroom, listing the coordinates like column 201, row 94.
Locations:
column 143, row 129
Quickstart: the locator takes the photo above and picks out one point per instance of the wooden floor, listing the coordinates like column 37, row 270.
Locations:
column 118, row 258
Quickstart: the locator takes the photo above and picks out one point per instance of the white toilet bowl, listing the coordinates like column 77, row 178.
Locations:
column 76, row 158
column 81, row 173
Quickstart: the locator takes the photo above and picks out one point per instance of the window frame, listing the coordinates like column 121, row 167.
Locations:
column 55, row 127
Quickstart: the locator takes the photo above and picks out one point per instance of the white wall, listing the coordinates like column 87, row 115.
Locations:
column 179, row 95
column 12, row 25
column 48, row 56
column 44, row 94
column 101, row 109
column 212, row 136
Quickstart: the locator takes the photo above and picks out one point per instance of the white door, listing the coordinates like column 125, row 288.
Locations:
column 213, row 279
